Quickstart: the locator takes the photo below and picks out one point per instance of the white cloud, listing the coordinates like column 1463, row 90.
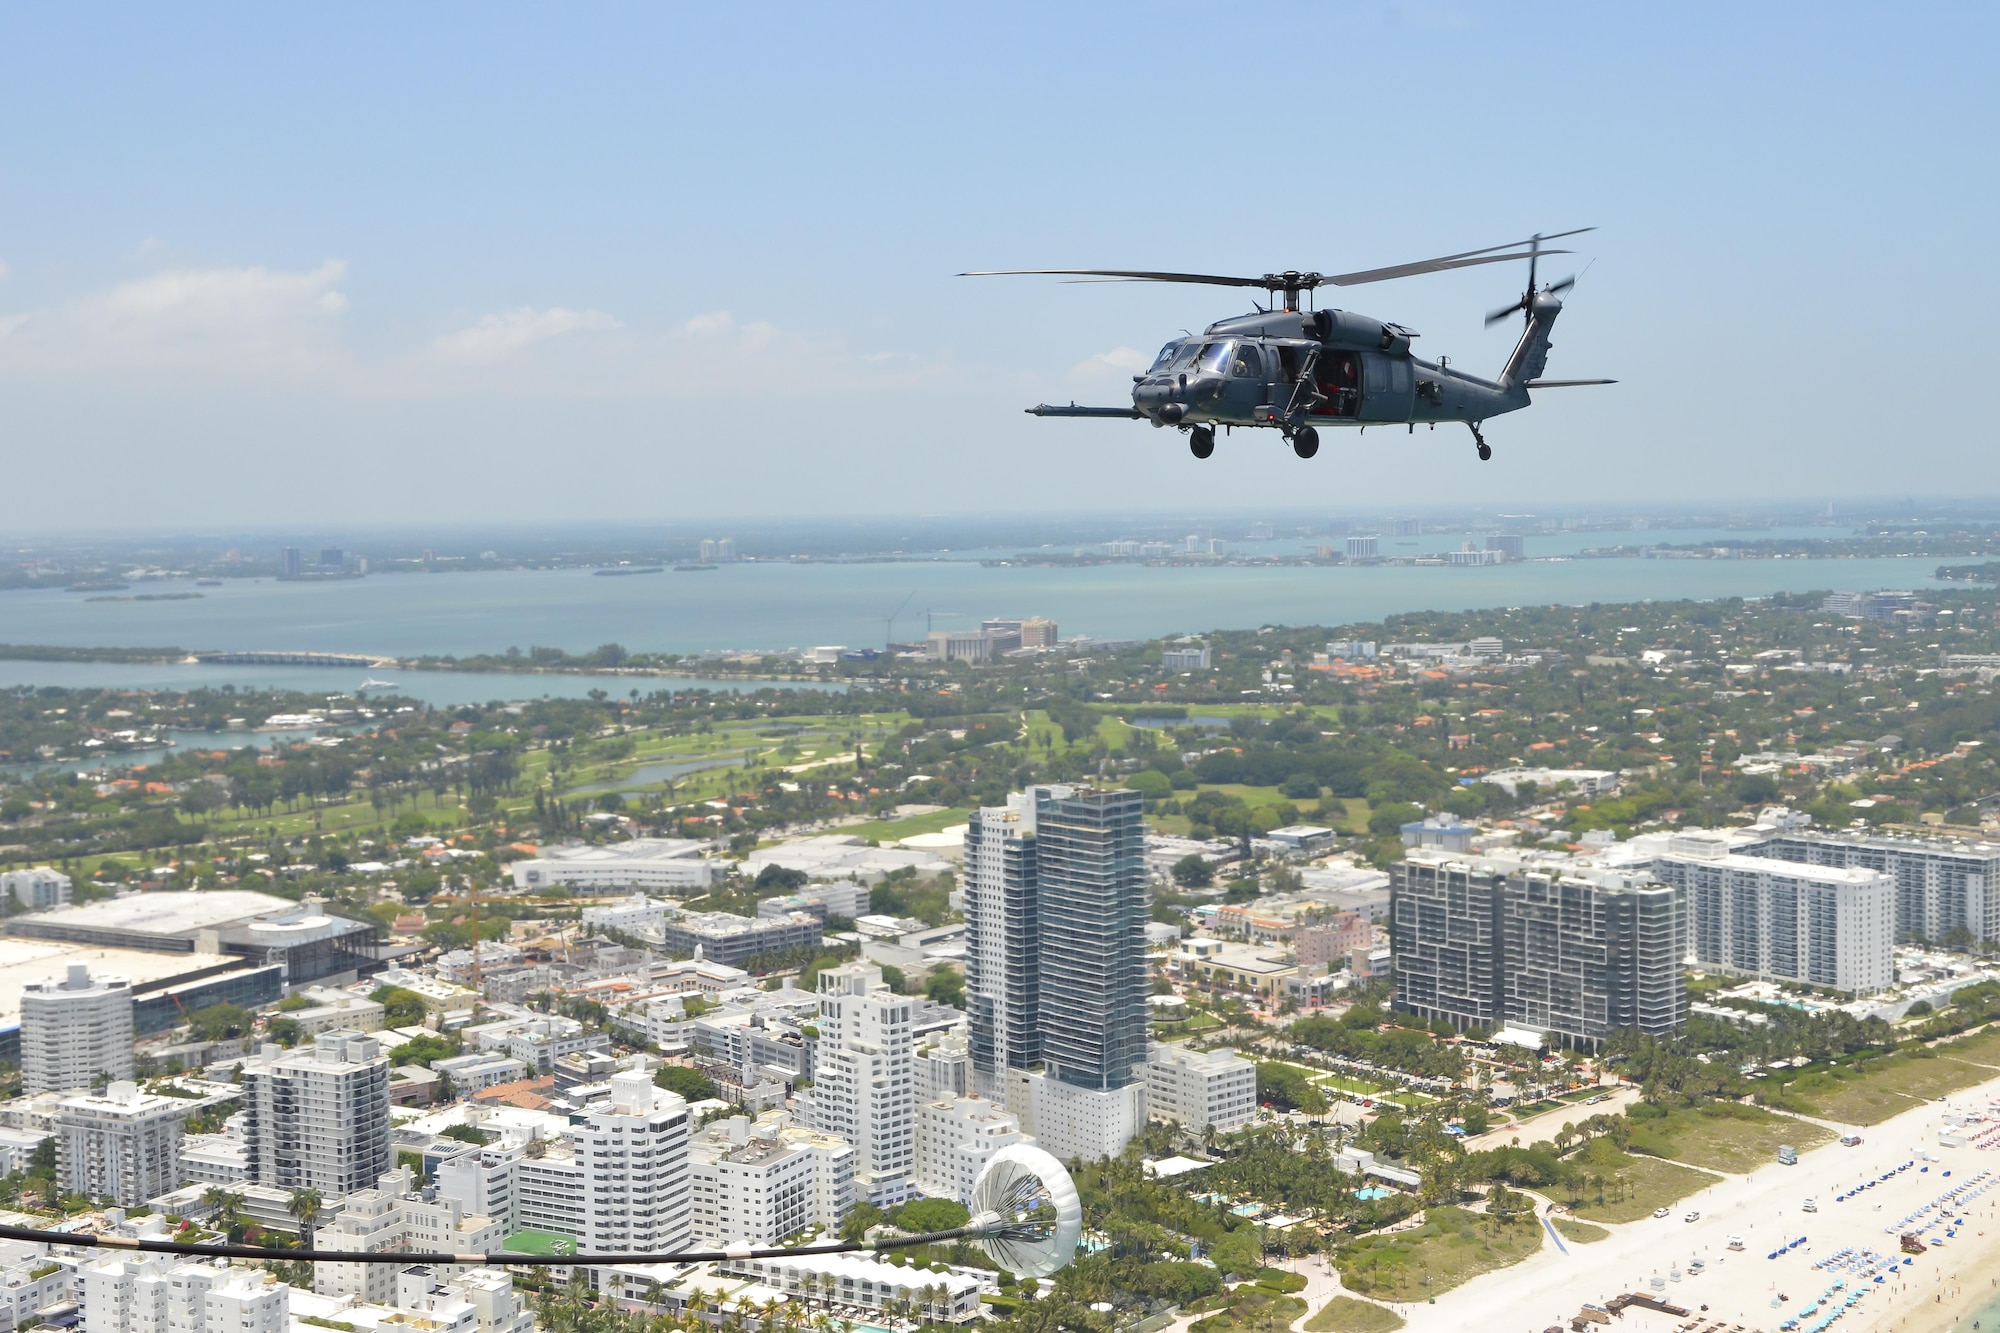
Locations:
column 510, row 331
column 228, row 319
column 1118, row 362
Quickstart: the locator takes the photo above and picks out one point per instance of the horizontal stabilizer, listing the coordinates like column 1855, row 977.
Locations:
column 1047, row 410
column 1565, row 384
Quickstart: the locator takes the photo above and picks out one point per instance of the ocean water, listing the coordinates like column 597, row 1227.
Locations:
column 777, row 605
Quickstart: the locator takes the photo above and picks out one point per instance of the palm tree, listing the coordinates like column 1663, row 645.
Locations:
column 306, row 1205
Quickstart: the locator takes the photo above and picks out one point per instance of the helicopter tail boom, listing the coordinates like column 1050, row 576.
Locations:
column 1530, row 356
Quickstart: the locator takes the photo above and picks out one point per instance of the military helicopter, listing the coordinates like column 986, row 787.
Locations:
column 1296, row 370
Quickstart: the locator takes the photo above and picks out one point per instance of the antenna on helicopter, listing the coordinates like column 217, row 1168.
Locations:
column 1526, row 304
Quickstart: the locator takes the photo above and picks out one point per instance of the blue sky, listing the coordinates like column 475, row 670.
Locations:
column 465, row 262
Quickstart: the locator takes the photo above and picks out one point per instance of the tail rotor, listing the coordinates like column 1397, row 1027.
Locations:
column 1527, row 302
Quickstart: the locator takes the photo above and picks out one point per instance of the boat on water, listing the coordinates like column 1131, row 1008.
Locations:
column 372, row 684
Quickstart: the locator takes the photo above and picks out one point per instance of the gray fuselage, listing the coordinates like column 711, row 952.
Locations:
column 1247, row 371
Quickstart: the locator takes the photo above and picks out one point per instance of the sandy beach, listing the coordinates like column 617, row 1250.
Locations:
column 1945, row 1287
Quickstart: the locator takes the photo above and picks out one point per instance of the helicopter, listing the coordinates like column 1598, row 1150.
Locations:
column 1296, row 370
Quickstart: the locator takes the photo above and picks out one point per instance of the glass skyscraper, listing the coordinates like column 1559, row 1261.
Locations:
column 1055, row 905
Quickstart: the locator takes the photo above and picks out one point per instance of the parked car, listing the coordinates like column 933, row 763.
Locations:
column 1663, row 1212
column 1692, row 1216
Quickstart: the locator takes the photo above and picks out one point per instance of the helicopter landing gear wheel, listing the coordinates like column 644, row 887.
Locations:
column 1479, row 443
column 1201, row 441
column 1305, row 441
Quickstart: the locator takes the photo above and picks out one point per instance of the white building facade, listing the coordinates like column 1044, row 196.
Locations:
column 1201, row 1089
column 123, row 1145
column 956, row 1137
column 1782, row 921
column 864, row 1087
column 74, row 1031
column 319, row 1116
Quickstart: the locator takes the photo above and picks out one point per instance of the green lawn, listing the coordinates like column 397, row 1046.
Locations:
column 893, row 830
column 1981, row 1048
column 1252, row 1307
column 1724, row 1136
column 1451, row 1247
column 1632, row 1186
column 1883, row 1088
column 1345, row 1314
column 1583, row 1233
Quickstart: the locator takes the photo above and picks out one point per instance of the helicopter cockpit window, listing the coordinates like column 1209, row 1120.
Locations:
column 1249, row 363
column 1215, row 358
column 1165, row 358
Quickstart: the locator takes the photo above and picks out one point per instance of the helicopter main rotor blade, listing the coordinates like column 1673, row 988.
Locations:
column 1117, row 274
column 1528, row 249
column 1426, row 266
column 1495, row 316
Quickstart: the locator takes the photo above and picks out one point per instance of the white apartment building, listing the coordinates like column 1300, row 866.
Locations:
column 489, row 1292
column 482, row 1179
column 955, row 1138
column 672, row 866
column 1782, row 920
column 1200, row 1089
column 480, row 1070
column 754, row 1185
column 156, row 1295
column 943, row 1068
column 628, row 915
column 1071, row 1122
column 215, row 1159
column 864, row 1087
column 318, row 1117
column 549, row 1191
column 868, row 1284
column 29, row 1283
column 634, row 1153
column 395, row 1216
column 123, row 1145
column 37, row 888
column 74, row 1030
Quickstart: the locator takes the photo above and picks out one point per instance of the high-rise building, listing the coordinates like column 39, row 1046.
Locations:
column 75, row 1031
column 289, row 563
column 634, row 1151
column 1002, row 942
column 707, row 550
column 1407, row 527
column 1781, row 920
column 319, row 1115
column 725, row 549
column 864, row 1084
column 1573, row 951
column 1185, row 657
column 1368, row 547
column 123, row 1144
column 1092, row 870
column 35, row 889
column 1586, row 953
column 1946, row 888
column 1510, row 545
column 332, row 558
column 1055, row 964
